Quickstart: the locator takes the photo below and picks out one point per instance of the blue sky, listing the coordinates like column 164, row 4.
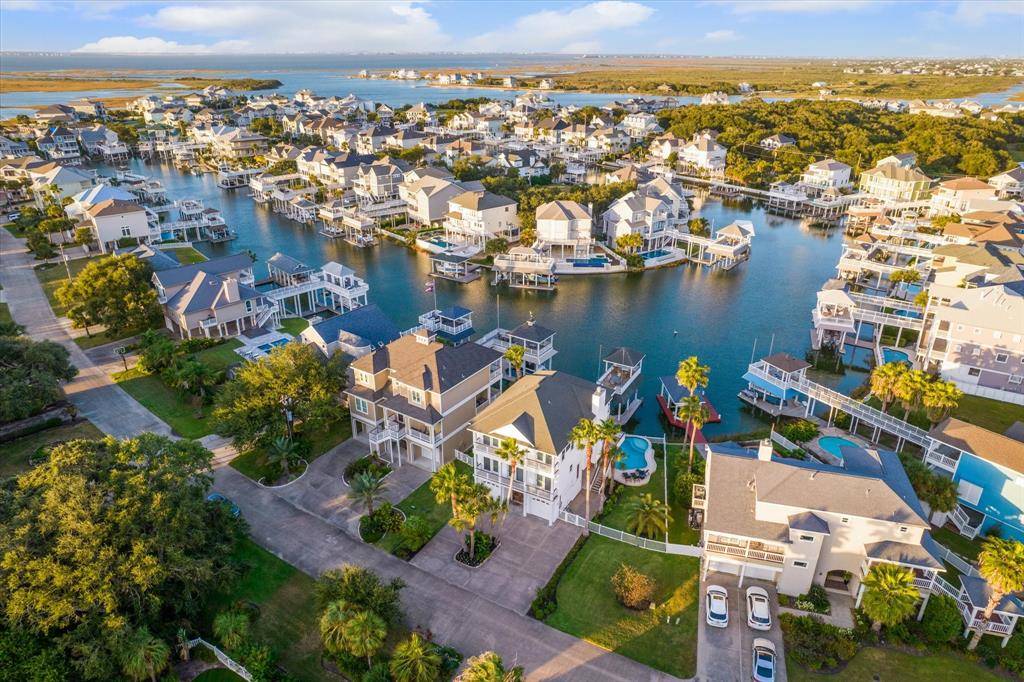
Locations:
column 842, row 28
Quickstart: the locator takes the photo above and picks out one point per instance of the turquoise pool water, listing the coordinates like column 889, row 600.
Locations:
column 636, row 454
column 893, row 355
column 657, row 253
column 833, row 445
column 267, row 347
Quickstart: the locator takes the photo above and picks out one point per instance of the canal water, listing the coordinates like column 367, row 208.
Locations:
column 668, row 314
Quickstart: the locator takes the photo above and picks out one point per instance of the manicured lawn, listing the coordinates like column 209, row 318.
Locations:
column 616, row 513
column 221, row 356
column 52, row 275
column 957, row 543
column 587, row 607
column 889, row 664
column 288, row 619
column 993, row 415
column 293, row 325
column 165, row 403
column 186, row 255
column 101, row 338
column 14, row 455
column 421, row 502
column 253, row 463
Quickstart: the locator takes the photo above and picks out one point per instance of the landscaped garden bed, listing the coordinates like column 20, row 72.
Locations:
column 475, row 552
column 370, row 464
column 425, row 517
column 815, row 601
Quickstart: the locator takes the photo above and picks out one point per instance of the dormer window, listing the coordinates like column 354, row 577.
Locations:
column 416, row 398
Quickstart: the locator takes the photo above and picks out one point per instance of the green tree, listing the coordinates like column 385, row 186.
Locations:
column 884, row 379
column 363, row 590
column 415, row 660
column 488, row 667
column 113, row 291
column 514, row 355
column 630, row 243
column 249, row 407
column 365, row 632
column 108, row 535
column 510, row 452
column 608, row 432
column 31, row 373
column 475, row 501
column 940, row 398
column 585, row 436
column 231, row 628
column 696, row 415
column 648, row 517
column 1001, row 564
column 942, row 621
column 692, row 375
column 447, row 483
column 909, row 390
column 332, row 625
column 281, row 452
column 367, row 489
column 144, row 655
column 195, row 379
column 890, row 596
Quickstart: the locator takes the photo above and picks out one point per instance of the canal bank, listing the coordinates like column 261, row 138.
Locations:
column 668, row 314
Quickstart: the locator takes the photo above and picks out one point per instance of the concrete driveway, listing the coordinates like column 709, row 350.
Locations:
column 529, row 553
column 724, row 654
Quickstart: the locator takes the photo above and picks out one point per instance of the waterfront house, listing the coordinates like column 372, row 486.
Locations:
column 354, row 334
column 608, row 140
column 893, row 182
column 57, row 181
column 427, row 197
column 1009, row 185
column 526, row 163
column 824, row 175
column 59, row 144
column 412, row 399
column 112, row 220
column 56, row 113
column 988, row 469
column 620, row 380
column 638, row 213
column 230, row 143
column 539, row 412
column 422, row 113
column 376, row 186
column 89, row 107
column 10, row 148
column 524, row 267
column 703, row 155
column 798, row 523
column 961, row 195
column 638, row 125
column 537, row 341
column 476, row 217
column 564, row 229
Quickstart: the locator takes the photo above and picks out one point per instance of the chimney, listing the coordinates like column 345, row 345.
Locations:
column 599, row 404
column 423, row 336
column 231, row 290
column 764, row 450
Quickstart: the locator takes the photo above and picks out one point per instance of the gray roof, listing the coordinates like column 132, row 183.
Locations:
column 809, row 523
column 287, row 264
column 978, row 592
column 902, row 552
column 626, row 357
column 364, row 326
column 786, row 362
column 209, row 292
column 531, row 331
column 402, row 405
column 543, row 406
column 215, row 266
column 432, row 366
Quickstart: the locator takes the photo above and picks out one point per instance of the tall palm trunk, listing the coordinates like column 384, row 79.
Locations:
column 986, row 614
column 511, row 479
column 693, row 439
column 604, row 464
column 472, row 542
column 455, row 506
column 590, row 451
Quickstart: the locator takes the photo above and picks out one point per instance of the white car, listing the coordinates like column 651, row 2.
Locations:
column 759, row 613
column 763, row 663
column 717, row 606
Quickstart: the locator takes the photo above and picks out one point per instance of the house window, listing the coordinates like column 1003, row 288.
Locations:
column 248, row 306
column 903, row 529
column 973, row 372
column 807, row 538
column 361, row 405
column 126, row 231
column 800, row 564
column 845, row 519
column 968, row 492
column 363, row 378
column 1002, row 357
column 1015, row 379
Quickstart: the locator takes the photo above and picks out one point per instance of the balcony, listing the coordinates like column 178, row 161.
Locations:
column 936, row 458
column 753, row 551
column 519, row 486
column 965, row 524
column 699, row 498
column 422, row 437
column 388, row 431
column 530, row 462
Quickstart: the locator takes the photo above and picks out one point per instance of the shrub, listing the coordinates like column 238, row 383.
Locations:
column 415, row 533
column 378, row 673
column 684, row 487
column 942, row 621
column 363, row 590
column 1010, row 658
column 368, row 464
column 632, row 588
column 451, row 659
column 814, row 644
column 485, row 545
column 546, row 601
column 799, row 431
column 384, row 519
column 819, row 597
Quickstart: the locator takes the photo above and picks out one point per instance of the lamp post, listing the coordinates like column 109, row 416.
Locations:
column 286, row 407
column 122, row 351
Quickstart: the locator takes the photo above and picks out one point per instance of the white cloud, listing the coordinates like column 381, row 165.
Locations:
column 23, row 5
column 571, row 31
column 155, row 45
column 977, row 12
column 808, row 6
column 306, row 26
column 721, row 36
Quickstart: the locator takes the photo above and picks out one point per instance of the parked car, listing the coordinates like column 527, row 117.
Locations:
column 717, row 606
column 764, row 661
column 217, row 498
column 759, row 613
column 13, row 216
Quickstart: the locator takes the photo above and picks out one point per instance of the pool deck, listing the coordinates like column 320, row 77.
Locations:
column 831, row 432
column 650, row 464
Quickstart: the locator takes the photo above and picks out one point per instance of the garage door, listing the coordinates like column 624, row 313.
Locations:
column 760, row 573
column 724, row 567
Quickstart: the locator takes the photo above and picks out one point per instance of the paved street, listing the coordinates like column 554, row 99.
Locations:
column 95, row 395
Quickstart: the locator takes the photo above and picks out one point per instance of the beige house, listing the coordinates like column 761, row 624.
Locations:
column 799, row 523
column 412, row 399
column 113, row 219
column 960, row 196
column 895, row 183
column 478, row 216
column 565, row 229
column 427, row 197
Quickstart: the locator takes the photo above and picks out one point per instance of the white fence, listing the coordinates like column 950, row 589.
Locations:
column 783, row 441
column 956, row 561
column 630, row 539
column 225, row 660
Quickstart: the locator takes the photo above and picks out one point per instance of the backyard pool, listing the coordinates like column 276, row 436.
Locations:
column 594, row 262
column 635, row 449
column 833, row 445
column 437, row 241
column 650, row 255
column 267, row 347
column 894, row 355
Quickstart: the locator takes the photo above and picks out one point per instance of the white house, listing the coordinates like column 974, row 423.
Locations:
column 960, row 195
column 113, row 219
column 1009, row 185
column 826, row 174
column 478, row 216
column 564, row 229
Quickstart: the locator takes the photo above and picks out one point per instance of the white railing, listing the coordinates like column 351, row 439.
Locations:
column 783, row 441
column 745, row 552
column 873, row 316
column 225, row 660
column 884, row 302
column 380, row 434
column 962, row 522
column 940, row 460
column 502, row 481
column 629, row 538
column 955, row 560
column 422, row 437
column 943, row 586
column 463, row 457
column 923, row 583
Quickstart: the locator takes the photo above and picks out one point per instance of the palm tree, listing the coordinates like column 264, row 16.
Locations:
column 415, row 660
column 231, row 628
column 884, row 379
column 11, row 328
column 181, row 640
column 909, row 390
column 616, row 455
column 696, row 415
column 692, row 375
column 1001, row 563
column 585, row 435
column 143, row 655
column 368, row 489
column 281, row 452
column 890, row 596
column 514, row 355
column 365, row 632
column 332, row 625
column 446, row 484
column 608, row 431
column 941, row 398
column 510, row 451
column 648, row 517
column 475, row 500
column 194, row 378
column 488, row 667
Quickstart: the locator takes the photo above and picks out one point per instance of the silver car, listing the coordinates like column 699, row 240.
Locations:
column 716, row 601
column 759, row 613
column 763, row 664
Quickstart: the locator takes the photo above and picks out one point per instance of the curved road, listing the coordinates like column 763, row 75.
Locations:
column 454, row 615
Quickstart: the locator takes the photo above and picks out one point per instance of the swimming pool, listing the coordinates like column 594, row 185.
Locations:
column 267, row 347
column 437, row 241
column 893, row 355
column 595, row 262
column 833, row 445
column 635, row 449
column 657, row 253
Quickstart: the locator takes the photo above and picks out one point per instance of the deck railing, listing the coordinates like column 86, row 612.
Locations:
column 630, row 539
